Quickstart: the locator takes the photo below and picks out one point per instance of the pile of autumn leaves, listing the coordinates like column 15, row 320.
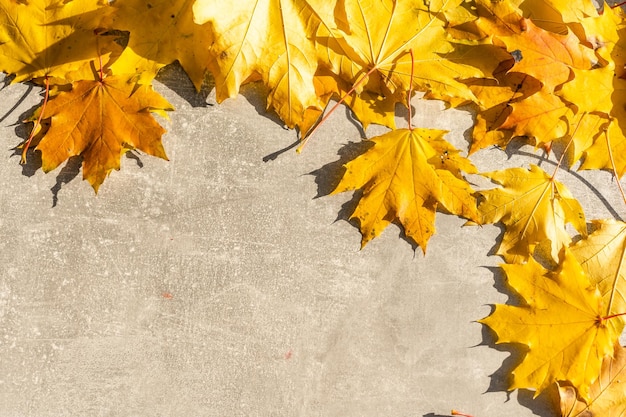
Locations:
column 525, row 67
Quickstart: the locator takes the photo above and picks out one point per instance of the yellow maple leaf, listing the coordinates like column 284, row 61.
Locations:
column 584, row 129
column 53, row 38
column 161, row 32
column 267, row 40
column 608, row 149
column 403, row 177
column 602, row 256
column 367, row 43
column 558, row 16
column 607, row 396
column 100, row 120
column 560, row 323
column 534, row 209
column 609, row 100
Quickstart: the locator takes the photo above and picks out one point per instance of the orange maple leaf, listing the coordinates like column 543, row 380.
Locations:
column 547, row 56
column 100, row 120
column 537, row 115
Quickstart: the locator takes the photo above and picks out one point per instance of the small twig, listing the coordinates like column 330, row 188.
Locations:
column 332, row 110
column 458, row 413
column 601, row 320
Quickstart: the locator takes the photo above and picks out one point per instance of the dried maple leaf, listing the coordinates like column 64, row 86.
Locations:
column 560, row 322
column 267, row 40
column 100, row 120
column 547, row 56
column 53, row 38
column 177, row 38
column 403, row 177
column 541, row 116
column 494, row 101
column 542, row 56
column 534, row 209
column 607, row 394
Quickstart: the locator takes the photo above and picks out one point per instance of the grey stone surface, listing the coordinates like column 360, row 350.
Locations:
column 217, row 284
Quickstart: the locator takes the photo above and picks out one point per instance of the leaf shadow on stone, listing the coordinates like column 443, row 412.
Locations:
column 543, row 405
column 256, row 94
column 328, row 177
column 6, row 82
column 70, row 170
column 175, row 78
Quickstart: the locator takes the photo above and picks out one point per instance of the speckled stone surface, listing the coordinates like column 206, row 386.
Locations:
column 220, row 283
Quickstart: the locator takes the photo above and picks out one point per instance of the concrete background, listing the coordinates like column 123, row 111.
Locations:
column 217, row 284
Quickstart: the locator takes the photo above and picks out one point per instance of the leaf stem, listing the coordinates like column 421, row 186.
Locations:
column 605, row 318
column 619, row 184
column 408, row 100
column 100, row 72
column 37, row 122
column 458, row 413
column 332, row 110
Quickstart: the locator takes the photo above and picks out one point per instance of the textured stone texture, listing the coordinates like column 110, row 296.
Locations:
column 217, row 284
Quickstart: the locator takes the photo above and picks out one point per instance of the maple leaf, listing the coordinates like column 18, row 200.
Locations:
column 100, row 120
column 539, row 116
column 608, row 150
column 558, row 16
column 494, row 100
column 547, row 56
column 534, row 209
column 606, row 396
column 403, row 177
column 602, row 256
column 267, row 40
column 367, row 43
column 177, row 38
column 560, row 322
column 52, row 38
